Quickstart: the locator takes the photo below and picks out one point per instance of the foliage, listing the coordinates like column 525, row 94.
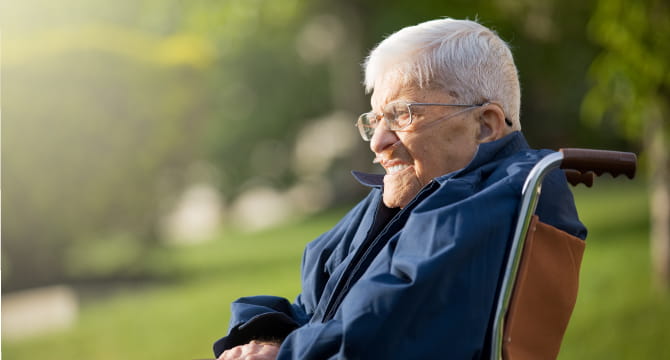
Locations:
column 85, row 153
column 108, row 105
column 632, row 75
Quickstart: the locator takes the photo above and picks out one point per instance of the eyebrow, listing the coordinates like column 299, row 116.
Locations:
column 393, row 95
column 385, row 100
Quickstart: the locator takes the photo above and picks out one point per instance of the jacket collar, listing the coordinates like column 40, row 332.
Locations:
column 486, row 153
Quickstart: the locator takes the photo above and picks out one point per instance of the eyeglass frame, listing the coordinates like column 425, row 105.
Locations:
column 359, row 123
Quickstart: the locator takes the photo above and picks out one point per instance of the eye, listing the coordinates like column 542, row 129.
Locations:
column 373, row 120
column 389, row 114
column 401, row 115
column 403, row 119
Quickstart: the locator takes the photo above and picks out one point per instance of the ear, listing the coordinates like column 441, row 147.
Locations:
column 491, row 123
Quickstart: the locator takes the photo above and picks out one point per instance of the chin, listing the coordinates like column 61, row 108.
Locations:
column 400, row 188
column 397, row 200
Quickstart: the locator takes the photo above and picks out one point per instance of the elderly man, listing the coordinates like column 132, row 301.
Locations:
column 411, row 271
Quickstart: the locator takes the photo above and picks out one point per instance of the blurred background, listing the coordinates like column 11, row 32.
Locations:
column 162, row 158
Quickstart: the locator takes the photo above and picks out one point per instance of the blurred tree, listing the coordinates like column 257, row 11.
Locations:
column 99, row 124
column 632, row 91
column 114, row 101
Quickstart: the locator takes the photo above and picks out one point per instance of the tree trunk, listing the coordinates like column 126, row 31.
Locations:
column 659, row 193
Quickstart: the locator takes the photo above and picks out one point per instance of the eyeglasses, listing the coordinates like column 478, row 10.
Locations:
column 398, row 115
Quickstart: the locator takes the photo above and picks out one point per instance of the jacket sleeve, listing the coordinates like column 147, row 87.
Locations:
column 260, row 318
column 273, row 318
column 429, row 293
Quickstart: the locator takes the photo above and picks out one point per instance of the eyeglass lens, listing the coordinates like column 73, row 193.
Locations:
column 396, row 115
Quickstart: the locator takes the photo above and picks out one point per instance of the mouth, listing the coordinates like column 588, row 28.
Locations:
column 396, row 168
column 394, row 159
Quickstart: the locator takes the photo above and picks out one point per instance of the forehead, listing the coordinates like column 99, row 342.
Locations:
column 390, row 91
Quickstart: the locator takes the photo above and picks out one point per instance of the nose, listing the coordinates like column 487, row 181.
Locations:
column 382, row 138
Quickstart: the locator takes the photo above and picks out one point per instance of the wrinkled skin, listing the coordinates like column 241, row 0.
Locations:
column 439, row 141
column 255, row 350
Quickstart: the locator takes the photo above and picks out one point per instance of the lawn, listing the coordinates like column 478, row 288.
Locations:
column 618, row 315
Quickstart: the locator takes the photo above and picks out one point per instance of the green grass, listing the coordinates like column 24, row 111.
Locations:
column 182, row 318
column 617, row 316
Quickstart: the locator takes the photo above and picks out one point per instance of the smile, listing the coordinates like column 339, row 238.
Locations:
column 394, row 169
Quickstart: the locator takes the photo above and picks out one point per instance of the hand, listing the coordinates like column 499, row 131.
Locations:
column 255, row 350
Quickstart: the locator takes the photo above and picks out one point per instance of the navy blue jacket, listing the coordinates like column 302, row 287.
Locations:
column 416, row 283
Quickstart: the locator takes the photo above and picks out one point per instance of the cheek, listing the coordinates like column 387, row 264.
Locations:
column 444, row 155
column 432, row 156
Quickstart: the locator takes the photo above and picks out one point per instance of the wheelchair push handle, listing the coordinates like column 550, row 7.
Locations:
column 581, row 164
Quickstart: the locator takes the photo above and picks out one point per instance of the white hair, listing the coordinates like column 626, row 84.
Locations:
column 462, row 57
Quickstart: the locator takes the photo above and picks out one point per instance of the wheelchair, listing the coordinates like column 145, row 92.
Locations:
column 539, row 286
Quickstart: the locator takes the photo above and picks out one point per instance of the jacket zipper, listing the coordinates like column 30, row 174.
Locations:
column 347, row 279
